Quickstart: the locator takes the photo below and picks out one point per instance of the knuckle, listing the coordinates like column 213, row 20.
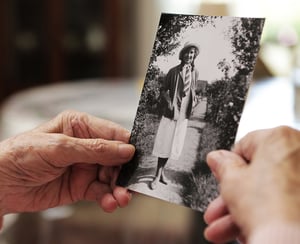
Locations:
column 283, row 131
column 70, row 114
column 281, row 134
column 100, row 146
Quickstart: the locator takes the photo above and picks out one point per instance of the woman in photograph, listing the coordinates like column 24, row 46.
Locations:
column 178, row 94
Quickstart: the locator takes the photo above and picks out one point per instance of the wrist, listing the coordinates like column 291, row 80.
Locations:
column 276, row 233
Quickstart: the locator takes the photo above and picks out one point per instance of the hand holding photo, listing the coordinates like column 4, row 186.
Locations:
column 191, row 103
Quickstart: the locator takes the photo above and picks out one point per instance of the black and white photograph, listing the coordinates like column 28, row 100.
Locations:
column 191, row 103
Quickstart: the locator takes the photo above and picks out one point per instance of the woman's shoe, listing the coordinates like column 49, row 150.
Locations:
column 162, row 180
column 153, row 184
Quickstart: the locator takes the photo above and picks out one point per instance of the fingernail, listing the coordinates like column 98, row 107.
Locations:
column 126, row 150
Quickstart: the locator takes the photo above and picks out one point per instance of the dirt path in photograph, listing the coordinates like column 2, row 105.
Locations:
column 175, row 169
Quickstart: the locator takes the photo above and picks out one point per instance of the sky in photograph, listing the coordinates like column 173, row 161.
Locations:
column 214, row 45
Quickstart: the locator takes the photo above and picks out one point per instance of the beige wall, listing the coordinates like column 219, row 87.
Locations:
column 147, row 18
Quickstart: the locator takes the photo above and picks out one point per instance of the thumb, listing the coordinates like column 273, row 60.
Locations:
column 65, row 151
column 222, row 163
column 102, row 151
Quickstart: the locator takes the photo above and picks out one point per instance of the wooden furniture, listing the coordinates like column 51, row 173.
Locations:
column 53, row 40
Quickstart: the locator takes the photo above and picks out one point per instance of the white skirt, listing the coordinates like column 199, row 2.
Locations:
column 170, row 138
column 171, row 133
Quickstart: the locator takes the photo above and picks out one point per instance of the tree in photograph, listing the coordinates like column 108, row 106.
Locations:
column 245, row 39
column 168, row 38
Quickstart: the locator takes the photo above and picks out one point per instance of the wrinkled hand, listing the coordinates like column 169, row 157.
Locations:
column 258, row 180
column 73, row 157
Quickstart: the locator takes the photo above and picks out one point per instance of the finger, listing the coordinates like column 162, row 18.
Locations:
column 81, row 177
column 268, row 143
column 223, row 162
column 109, row 175
column 112, row 199
column 115, row 175
column 249, row 143
column 96, row 191
column 241, row 239
column 215, row 210
column 91, row 127
column 108, row 203
column 222, row 230
column 122, row 196
column 102, row 194
column 106, row 174
column 1, row 222
column 83, row 125
column 62, row 151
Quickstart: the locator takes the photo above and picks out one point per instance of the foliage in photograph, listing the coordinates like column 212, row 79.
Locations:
column 221, row 96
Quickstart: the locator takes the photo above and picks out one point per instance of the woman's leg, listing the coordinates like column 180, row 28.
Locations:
column 162, row 162
column 159, row 175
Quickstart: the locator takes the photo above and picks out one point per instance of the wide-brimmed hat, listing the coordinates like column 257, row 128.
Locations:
column 188, row 45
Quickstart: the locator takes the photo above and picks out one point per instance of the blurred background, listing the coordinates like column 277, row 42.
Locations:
column 93, row 55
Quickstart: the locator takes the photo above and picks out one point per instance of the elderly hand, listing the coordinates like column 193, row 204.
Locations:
column 259, row 186
column 73, row 157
